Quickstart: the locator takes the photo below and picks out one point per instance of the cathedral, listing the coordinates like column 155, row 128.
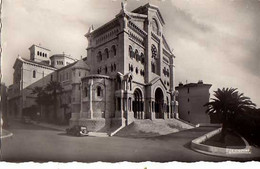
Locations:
column 128, row 73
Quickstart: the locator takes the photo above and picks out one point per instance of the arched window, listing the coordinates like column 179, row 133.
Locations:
column 106, row 69
column 86, row 91
column 99, row 56
column 155, row 26
column 131, row 53
column 153, row 67
column 107, row 53
column 99, row 91
column 114, row 50
column 38, row 53
column 114, row 66
column 136, row 55
column 142, row 58
column 34, row 74
column 136, row 70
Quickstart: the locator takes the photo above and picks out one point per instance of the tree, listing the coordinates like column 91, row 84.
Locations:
column 54, row 88
column 227, row 103
column 42, row 99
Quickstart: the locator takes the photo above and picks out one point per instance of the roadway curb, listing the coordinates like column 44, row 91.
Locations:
column 197, row 145
column 8, row 135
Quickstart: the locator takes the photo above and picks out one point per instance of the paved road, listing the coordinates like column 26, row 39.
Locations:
column 34, row 143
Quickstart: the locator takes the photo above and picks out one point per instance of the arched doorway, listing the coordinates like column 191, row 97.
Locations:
column 138, row 104
column 159, row 103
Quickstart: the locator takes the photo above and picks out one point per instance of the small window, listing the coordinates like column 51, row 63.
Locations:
column 142, row 58
column 136, row 55
column 114, row 50
column 86, row 91
column 188, row 90
column 38, row 53
column 99, row 56
column 188, row 100
column 136, row 70
column 99, row 91
column 153, row 67
column 34, row 74
column 107, row 53
column 79, row 73
column 131, row 53
column 114, row 66
column 51, row 77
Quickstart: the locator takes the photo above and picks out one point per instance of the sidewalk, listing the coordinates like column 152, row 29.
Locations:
column 51, row 126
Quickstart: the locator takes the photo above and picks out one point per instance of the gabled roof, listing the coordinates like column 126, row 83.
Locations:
column 166, row 46
column 155, row 80
column 143, row 8
column 23, row 60
column 81, row 65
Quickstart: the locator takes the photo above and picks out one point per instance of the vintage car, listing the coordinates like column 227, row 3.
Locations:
column 77, row 131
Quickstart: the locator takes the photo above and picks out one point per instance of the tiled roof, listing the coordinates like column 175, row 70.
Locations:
column 38, row 63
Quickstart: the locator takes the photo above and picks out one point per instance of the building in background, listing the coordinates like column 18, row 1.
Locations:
column 36, row 71
column 3, row 103
column 191, row 98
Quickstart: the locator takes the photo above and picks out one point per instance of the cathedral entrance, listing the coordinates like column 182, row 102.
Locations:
column 159, row 103
column 138, row 105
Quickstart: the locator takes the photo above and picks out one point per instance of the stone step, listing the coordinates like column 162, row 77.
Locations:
column 98, row 134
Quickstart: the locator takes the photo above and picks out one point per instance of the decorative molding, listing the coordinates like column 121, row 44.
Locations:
column 138, row 30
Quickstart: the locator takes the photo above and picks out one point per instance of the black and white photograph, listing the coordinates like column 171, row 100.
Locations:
column 130, row 81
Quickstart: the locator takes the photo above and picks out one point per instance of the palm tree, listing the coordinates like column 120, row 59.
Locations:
column 226, row 104
column 54, row 88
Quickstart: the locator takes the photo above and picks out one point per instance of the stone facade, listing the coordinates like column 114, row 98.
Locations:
column 192, row 97
column 131, row 72
column 128, row 73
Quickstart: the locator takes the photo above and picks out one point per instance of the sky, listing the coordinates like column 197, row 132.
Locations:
column 217, row 41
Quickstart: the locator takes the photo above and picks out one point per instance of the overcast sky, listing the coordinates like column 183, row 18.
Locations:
column 217, row 41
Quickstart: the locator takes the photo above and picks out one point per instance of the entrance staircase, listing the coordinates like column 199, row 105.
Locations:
column 143, row 128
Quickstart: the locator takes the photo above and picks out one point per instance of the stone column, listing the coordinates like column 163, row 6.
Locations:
column 90, row 99
column 121, row 107
column 152, row 114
